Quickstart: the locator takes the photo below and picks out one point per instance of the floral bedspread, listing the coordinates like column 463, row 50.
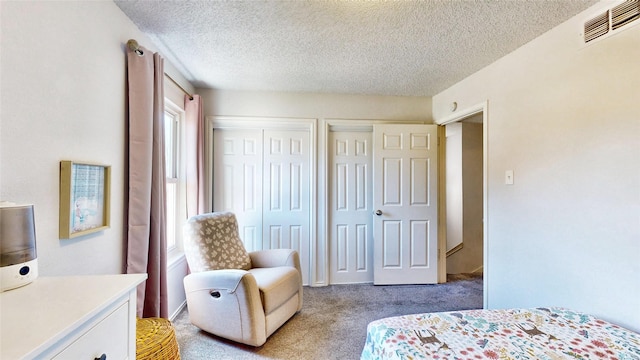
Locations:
column 542, row 333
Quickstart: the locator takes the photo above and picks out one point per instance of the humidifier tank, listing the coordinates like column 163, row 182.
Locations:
column 18, row 259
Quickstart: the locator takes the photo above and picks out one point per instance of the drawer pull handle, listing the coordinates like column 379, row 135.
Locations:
column 102, row 357
column 215, row 294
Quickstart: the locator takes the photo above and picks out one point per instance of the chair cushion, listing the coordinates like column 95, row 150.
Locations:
column 277, row 285
column 211, row 242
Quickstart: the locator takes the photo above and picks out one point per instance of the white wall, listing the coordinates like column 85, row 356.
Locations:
column 453, row 165
column 315, row 106
column 471, row 256
column 63, row 98
column 565, row 118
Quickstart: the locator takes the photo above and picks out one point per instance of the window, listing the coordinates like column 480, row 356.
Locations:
column 173, row 116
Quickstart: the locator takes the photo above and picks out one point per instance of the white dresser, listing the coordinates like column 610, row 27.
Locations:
column 75, row 318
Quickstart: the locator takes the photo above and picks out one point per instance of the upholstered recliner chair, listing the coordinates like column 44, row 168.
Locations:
column 240, row 296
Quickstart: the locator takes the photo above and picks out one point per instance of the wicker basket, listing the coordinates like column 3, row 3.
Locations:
column 156, row 340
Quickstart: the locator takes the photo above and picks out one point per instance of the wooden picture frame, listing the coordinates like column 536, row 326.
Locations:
column 85, row 191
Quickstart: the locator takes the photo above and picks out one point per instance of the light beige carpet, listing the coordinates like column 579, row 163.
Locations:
column 333, row 321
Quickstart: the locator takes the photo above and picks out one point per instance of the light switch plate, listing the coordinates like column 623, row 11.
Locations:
column 508, row 177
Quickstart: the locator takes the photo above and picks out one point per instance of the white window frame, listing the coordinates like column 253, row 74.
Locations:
column 175, row 248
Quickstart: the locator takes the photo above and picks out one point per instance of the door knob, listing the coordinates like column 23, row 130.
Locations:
column 378, row 212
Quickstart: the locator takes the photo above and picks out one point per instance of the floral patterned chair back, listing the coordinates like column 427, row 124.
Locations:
column 211, row 242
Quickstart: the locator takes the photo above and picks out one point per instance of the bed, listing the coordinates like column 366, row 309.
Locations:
column 540, row 333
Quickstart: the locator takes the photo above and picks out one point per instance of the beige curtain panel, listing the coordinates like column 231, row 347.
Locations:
column 146, row 210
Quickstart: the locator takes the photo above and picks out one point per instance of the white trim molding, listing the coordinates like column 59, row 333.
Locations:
column 465, row 113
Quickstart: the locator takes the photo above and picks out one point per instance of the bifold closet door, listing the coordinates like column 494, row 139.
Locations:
column 287, row 193
column 237, row 180
column 263, row 176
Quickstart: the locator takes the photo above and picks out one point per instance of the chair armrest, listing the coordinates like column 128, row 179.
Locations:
column 274, row 258
column 278, row 257
column 226, row 303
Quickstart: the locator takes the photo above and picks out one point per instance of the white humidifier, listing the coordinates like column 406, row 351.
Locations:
column 18, row 259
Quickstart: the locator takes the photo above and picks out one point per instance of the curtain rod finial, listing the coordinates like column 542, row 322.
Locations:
column 133, row 46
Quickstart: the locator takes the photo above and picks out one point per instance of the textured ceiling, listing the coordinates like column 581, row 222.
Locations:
column 410, row 48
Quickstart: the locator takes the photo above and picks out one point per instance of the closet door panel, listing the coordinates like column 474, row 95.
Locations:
column 350, row 197
column 286, row 224
column 237, row 181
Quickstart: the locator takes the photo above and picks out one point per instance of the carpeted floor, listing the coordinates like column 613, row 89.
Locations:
column 333, row 321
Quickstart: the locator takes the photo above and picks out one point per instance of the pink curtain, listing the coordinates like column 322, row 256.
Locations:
column 194, row 155
column 146, row 212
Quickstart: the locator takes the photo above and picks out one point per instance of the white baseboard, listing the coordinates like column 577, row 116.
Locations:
column 178, row 310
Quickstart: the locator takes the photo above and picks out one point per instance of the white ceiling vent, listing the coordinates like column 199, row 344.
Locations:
column 625, row 13
column 596, row 27
column 604, row 24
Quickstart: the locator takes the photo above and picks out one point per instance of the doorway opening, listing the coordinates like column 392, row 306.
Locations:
column 465, row 193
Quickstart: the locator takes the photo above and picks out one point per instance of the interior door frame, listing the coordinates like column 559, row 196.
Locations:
column 457, row 116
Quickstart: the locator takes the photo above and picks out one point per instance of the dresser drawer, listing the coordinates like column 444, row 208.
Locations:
column 109, row 337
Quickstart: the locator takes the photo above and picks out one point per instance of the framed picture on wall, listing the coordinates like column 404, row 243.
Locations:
column 84, row 198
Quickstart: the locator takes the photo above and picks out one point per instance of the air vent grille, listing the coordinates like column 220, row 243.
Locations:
column 596, row 27
column 625, row 13
column 611, row 20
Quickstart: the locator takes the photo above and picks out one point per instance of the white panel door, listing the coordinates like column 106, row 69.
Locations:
column 405, row 204
column 350, row 222
column 286, row 193
column 237, row 180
